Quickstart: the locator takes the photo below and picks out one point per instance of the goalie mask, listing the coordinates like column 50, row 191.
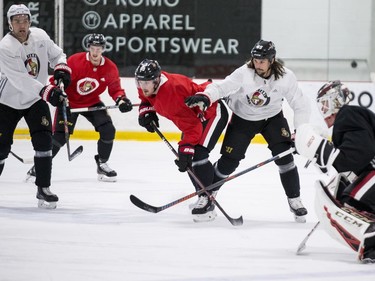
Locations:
column 331, row 97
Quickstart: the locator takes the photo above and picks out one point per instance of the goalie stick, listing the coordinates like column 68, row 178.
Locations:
column 95, row 108
column 23, row 160
column 147, row 207
column 233, row 221
column 79, row 150
column 302, row 245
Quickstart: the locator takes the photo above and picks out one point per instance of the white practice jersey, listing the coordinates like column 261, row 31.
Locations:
column 254, row 98
column 24, row 67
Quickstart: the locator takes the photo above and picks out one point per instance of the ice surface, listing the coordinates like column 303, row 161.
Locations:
column 96, row 233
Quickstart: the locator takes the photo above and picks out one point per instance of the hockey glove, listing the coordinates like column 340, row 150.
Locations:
column 62, row 72
column 147, row 115
column 185, row 157
column 124, row 104
column 53, row 95
column 310, row 144
column 199, row 100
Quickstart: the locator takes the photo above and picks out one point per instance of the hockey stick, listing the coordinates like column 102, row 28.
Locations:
column 23, row 160
column 302, row 245
column 95, row 108
column 233, row 221
column 79, row 150
column 140, row 204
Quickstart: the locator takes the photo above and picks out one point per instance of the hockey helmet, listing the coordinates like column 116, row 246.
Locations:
column 331, row 97
column 148, row 70
column 263, row 50
column 96, row 40
column 18, row 9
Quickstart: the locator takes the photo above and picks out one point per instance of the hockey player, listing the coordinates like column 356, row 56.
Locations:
column 255, row 93
column 24, row 56
column 92, row 74
column 345, row 207
column 164, row 93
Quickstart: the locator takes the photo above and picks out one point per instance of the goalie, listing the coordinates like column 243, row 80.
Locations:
column 346, row 206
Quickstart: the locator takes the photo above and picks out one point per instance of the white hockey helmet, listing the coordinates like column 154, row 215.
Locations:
column 331, row 97
column 18, row 9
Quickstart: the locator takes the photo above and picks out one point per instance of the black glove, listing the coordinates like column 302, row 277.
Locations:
column 185, row 157
column 62, row 72
column 199, row 100
column 147, row 114
column 53, row 95
column 124, row 104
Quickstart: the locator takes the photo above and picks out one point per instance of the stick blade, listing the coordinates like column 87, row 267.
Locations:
column 76, row 153
column 142, row 205
column 237, row 221
column 301, row 247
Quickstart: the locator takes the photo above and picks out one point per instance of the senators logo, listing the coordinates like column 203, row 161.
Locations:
column 86, row 86
column 285, row 133
column 258, row 98
column 45, row 121
column 32, row 65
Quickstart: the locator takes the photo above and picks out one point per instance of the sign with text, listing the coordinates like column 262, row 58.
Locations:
column 200, row 38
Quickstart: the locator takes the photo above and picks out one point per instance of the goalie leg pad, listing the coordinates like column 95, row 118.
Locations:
column 346, row 225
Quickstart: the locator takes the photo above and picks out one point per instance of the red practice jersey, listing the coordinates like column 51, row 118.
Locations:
column 169, row 102
column 89, row 81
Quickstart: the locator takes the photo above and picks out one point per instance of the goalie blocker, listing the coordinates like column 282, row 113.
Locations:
column 345, row 224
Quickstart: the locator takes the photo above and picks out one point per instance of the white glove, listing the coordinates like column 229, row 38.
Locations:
column 310, row 144
column 307, row 141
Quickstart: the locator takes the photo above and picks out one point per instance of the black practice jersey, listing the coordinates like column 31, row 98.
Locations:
column 354, row 134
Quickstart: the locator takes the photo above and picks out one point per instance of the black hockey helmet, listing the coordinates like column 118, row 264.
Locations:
column 331, row 97
column 96, row 40
column 263, row 50
column 148, row 70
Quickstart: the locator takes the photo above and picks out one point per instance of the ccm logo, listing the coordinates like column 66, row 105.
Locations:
column 311, row 140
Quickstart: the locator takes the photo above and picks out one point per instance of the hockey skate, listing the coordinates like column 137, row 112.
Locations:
column 297, row 209
column 369, row 256
column 204, row 210
column 30, row 176
column 47, row 200
column 105, row 173
column 193, row 205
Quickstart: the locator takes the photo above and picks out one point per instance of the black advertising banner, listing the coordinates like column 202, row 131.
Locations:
column 198, row 38
column 42, row 15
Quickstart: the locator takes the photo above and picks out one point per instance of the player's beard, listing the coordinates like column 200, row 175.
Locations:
column 263, row 73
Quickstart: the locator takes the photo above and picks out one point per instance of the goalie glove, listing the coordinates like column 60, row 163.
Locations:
column 199, row 100
column 310, row 144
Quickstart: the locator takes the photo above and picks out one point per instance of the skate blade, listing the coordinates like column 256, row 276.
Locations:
column 300, row 219
column 207, row 217
column 368, row 261
column 46, row 205
column 106, row 179
column 30, row 178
